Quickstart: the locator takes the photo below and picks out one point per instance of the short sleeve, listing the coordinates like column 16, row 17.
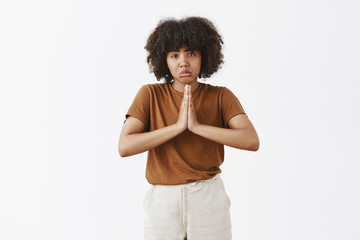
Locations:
column 230, row 106
column 140, row 106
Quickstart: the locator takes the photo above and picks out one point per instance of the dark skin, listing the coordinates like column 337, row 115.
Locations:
column 184, row 66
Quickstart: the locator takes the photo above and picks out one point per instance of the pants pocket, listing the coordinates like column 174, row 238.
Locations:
column 226, row 196
column 148, row 196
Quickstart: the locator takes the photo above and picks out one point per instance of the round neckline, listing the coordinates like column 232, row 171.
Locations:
column 181, row 94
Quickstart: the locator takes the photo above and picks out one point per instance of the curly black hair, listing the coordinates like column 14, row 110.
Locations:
column 196, row 33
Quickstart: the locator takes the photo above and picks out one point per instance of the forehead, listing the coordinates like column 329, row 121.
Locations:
column 183, row 48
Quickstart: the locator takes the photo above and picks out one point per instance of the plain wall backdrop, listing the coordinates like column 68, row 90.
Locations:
column 69, row 71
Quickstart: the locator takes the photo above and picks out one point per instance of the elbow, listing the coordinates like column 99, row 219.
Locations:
column 126, row 149
column 255, row 144
column 249, row 146
column 122, row 154
column 255, row 147
column 122, row 151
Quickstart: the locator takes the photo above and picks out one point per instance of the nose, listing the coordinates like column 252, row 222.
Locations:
column 183, row 61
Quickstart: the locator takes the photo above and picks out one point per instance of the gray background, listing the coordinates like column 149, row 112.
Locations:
column 69, row 71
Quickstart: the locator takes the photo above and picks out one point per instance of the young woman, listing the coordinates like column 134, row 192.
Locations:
column 184, row 125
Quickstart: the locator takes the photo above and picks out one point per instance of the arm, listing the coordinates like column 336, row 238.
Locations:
column 134, row 139
column 241, row 134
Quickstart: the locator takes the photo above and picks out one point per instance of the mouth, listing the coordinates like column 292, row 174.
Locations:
column 185, row 74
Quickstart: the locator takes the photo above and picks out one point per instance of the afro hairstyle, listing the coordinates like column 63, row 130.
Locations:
column 196, row 33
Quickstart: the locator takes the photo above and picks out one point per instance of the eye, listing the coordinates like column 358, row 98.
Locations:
column 192, row 54
column 174, row 56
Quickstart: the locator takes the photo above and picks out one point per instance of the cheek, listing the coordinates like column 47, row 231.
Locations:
column 170, row 67
column 199, row 65
column 168, row 64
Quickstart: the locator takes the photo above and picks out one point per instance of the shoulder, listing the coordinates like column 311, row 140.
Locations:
column 155, row 87
column 152, row 87
column 212, row 89
column 223, row 94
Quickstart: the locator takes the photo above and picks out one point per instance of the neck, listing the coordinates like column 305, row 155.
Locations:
column 180, row 86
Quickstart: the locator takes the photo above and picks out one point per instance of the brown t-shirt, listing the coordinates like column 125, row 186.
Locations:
column 187, row 157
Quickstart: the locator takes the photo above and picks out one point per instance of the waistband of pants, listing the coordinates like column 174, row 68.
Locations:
column 191, row 184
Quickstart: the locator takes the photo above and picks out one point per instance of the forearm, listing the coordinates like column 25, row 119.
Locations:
column 241, row 138
column 135, row 143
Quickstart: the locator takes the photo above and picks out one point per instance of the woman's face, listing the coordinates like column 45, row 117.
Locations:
column 184, row 65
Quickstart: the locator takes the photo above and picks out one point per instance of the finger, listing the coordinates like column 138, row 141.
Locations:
column 184, row 96
column 184, row 102
column 189, row 103
column 189, row 92
column 191, row 109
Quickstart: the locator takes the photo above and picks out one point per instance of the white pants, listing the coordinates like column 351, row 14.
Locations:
column 193, row 211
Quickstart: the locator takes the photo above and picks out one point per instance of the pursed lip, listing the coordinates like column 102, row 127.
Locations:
column 185, row 73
